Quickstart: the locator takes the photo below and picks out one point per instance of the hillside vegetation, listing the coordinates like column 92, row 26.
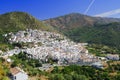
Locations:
column 15, row 21
column 107, row 34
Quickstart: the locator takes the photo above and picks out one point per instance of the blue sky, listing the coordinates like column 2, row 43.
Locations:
column 44, row 9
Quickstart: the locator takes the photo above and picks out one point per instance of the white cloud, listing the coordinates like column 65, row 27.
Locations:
column 109, row 13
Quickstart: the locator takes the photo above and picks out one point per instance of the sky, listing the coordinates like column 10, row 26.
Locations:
column 45, row 9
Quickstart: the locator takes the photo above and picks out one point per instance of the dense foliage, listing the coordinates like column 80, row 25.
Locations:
column 75, row 72
column 4, row 71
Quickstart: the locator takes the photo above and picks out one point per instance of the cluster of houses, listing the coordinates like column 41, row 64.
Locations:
column 34, row 36
column 54, row 45
column 113, row 57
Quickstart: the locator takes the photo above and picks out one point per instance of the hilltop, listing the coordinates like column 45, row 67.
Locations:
column 15, row 21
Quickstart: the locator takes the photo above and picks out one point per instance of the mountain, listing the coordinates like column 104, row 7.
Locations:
column 83, row 28
column 76, row 20
column 14, row 21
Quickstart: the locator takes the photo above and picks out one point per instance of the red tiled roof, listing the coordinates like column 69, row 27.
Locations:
column 14, row 71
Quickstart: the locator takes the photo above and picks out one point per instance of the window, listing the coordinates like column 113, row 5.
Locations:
column 15, row 77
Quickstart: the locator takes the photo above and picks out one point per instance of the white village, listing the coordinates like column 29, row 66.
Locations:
column 51, row 45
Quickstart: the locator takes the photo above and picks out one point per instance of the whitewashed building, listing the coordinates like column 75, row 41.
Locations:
column 18, row 74
column 113, row 57
column 98, row 65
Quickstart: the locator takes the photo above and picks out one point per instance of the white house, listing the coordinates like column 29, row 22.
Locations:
column 98, row 65
column 113, row 56
column 45, row 67
column 9, row 60
column 18, row 74
column 102, row 58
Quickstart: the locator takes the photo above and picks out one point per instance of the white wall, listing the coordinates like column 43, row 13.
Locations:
column 21, row 76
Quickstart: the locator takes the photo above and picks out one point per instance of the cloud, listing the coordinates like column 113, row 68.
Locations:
column 90, row 5
column 109, row 13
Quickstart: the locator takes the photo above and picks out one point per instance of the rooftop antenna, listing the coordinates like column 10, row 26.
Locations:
column 90, row 5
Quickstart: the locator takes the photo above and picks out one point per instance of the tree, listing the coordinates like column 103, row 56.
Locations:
column 68, row 77
column 79, row 77
column 56, row 70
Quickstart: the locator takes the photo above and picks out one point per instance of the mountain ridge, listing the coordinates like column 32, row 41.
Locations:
column 78, row 19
